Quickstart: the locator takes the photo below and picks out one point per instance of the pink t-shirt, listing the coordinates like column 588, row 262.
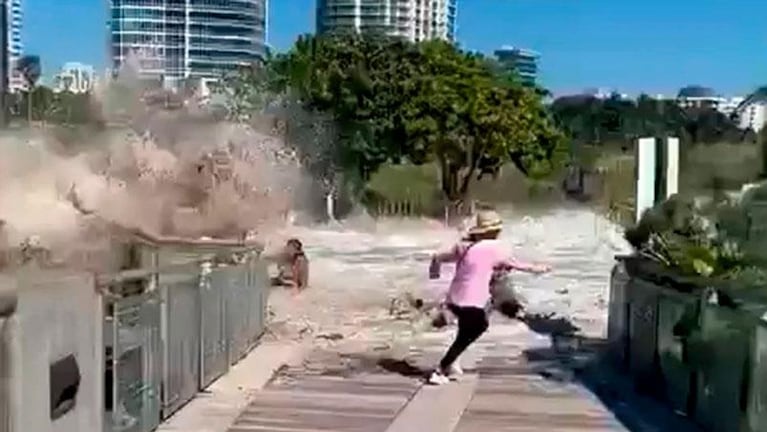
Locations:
column 474, row 270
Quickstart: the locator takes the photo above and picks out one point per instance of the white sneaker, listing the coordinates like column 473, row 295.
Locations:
column 454, row 372
column 438, row 378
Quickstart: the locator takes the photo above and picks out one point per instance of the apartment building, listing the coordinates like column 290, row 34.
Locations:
column 523, row 62
column 15, row 18
column 175, row 40
column 415, row 20
column 75, row 77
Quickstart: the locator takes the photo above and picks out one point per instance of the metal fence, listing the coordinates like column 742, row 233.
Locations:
column 168, row 331
column 133, row 349
column 7, row 308
column 757, row 403
column 214, row 358
column 232, row 316
column 181, row 294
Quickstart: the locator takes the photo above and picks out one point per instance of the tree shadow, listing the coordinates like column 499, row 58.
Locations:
column 573, row 358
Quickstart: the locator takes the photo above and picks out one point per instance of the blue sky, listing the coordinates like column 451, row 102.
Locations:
column 655, row 46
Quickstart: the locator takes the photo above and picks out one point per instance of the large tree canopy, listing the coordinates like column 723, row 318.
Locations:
column 392, row 101
column 468, row 119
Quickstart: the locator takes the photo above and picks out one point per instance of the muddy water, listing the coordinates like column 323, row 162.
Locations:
column 358, row 268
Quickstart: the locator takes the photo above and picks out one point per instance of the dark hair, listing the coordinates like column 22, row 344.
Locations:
column 296, row 243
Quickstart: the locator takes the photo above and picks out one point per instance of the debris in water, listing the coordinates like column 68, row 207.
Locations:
column 331, row 336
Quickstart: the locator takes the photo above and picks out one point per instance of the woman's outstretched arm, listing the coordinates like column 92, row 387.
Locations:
column 512, row 263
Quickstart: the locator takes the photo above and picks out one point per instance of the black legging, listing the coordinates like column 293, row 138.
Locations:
column 472, row 322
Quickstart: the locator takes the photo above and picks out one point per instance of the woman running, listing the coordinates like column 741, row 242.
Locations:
column 476, row 260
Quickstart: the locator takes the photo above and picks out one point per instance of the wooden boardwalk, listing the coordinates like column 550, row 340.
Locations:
column 507, row 392
column 512, row 397
column 364, row 403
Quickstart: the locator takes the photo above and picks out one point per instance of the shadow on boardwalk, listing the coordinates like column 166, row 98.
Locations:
column 581, row 359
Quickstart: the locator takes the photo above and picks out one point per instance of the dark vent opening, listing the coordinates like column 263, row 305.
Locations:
column 64, row 386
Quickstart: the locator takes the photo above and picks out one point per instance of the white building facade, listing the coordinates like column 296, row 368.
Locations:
column 415, row 20
column 752, row 115
column 75, row 78
column 15, row 47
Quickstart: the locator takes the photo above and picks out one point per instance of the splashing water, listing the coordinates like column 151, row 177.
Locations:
column 356, row 272
column 175, row 173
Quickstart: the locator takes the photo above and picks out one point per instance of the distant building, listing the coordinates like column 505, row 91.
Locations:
column 751, row 113
column 175, row 40
column 75, row 78
column 415, row 20
column 523, row 62
column 730, row 105
column 696, row 96
column 602, row 94
column 15, row 48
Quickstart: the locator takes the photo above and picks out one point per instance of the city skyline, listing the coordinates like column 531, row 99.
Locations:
column 590, row 43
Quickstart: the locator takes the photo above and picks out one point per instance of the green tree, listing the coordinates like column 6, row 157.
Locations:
column 470, row 121
column 590, row 120
column 391, row 101
column 361, row 82
column 30, row 68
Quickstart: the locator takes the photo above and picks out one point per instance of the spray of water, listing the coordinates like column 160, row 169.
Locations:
column 165, row 173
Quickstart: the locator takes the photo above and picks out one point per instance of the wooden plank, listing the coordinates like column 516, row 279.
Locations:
column 436, row 409
column 511, row 396
column 359, row 403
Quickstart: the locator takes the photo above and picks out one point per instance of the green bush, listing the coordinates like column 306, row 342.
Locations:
column 719, row 166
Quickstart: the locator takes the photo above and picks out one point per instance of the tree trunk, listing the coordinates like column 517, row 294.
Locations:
column 455, row 187
column 29, row 106
column 330, row 206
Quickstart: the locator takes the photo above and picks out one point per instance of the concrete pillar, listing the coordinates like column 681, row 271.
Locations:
column 672, row 166
column 657, row 171
column 645, row 175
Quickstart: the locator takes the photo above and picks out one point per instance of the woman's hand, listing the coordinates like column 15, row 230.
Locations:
column 541, row 269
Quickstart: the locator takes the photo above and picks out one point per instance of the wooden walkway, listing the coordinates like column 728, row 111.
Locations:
column 507, row 392
column 366, row 403
column 512, row 397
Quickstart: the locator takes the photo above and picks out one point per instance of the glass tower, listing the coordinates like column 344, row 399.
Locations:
column 179, row 39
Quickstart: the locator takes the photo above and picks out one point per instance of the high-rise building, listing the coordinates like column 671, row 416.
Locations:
column 415, row 20
column 15, row 47
column 523, row 62
column 180, row 39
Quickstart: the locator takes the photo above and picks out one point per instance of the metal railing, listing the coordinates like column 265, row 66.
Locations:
column 197, row 318
column 142, row 342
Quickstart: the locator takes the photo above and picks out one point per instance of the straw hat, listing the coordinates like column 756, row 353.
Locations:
column 486, row 221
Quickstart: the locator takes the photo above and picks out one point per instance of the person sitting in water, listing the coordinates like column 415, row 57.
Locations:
column 294, row 268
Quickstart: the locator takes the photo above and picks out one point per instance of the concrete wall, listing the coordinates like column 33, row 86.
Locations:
column 57, row 315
